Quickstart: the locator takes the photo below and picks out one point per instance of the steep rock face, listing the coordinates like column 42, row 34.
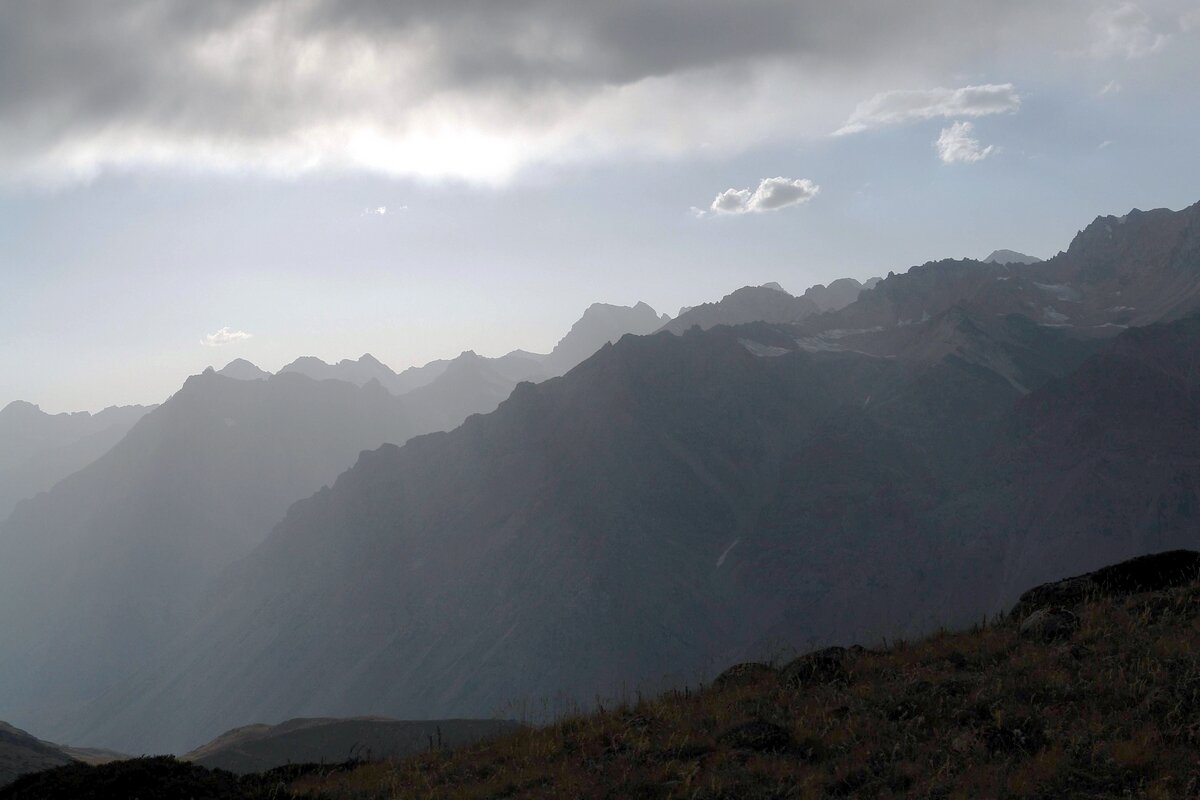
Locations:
column 748, row 304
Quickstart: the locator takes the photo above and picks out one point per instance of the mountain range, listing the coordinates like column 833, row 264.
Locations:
column 681, row 501
column 108, row 562
column 763, row 473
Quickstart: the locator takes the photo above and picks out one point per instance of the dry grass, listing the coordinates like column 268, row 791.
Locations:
column 1113, row 712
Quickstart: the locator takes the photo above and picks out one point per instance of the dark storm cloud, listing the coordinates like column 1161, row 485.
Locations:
column 403, row 87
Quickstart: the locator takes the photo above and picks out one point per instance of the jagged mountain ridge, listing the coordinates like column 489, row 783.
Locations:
column 1118, row 272
column 601, row 323
column 769, row 303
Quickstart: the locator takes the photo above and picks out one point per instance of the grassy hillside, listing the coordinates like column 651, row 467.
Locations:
column 1090, row 689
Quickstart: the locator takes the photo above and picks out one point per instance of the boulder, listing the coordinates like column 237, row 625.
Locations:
column 746, row 673
column 1050, row 625
column 1150, row 573
column 818, row 667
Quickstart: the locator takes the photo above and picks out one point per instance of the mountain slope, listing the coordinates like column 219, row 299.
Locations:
column 21, row 753
column 98, row 570
column 1095, row 709
column 37, row 449
column 258, row 748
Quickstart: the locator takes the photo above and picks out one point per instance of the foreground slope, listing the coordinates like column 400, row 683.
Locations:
column 1100, row 707
column 1086, row 689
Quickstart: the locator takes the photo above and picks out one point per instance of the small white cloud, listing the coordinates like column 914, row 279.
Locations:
column 223, row 337
column 1125, row 30
column 1112, row 87
column 1104, row 144
column 956, row 145
column 890, row 108
column 772, row 194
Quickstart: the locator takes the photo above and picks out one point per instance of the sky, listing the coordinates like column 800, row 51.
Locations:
column 182, row 183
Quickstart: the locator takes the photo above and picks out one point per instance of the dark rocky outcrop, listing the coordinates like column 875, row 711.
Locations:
column 1050, row 624
column 822, row 666
column 748, row 672
column 1148, row 573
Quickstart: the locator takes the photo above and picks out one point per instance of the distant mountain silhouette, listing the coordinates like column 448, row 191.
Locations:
column 1010, row 257
column 838, row 294
column 360, row 372
column 601, row 324
column 242, row 370
column 748, row 304
column 37, row 449
column 470, row 384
